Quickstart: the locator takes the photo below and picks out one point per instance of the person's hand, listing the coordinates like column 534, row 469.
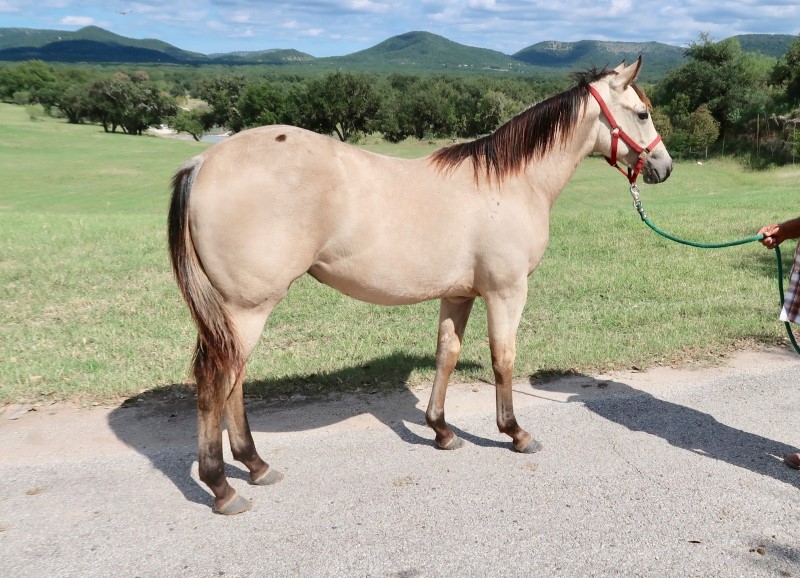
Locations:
column 772, row 236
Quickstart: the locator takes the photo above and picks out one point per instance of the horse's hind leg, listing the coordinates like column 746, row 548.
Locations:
column 211, row 466
column 453, row 316
column 241, row 439
column 224, row 394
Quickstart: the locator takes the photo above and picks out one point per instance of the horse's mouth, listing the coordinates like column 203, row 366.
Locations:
column 653, row 174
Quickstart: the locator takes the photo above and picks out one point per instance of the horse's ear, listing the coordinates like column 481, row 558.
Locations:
column 626, row 74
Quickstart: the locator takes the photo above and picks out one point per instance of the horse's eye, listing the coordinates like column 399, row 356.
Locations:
column 644, row 115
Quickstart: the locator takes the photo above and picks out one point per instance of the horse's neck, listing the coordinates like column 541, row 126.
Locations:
column 552, row 171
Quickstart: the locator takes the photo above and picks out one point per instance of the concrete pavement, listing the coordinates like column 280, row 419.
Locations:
column 662, row 473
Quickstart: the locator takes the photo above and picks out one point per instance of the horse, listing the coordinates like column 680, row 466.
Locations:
column 253, row 213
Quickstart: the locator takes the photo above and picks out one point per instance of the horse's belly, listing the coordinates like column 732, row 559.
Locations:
column 392, row 286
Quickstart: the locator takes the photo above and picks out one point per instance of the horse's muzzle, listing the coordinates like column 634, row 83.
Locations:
column 657, row 169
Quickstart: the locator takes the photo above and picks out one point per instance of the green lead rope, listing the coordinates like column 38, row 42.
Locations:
column 637, row 204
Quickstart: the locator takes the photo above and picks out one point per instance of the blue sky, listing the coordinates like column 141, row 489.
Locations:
column 338, row 27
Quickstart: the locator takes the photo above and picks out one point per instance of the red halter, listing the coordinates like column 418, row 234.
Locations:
column 616, row 134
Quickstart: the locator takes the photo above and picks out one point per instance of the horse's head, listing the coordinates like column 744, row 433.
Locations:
column 625, row 130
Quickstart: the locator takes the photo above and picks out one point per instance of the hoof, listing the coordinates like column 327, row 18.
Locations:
column 532, row 447
column 235, row 505
column 271, row 476
column 454, row 443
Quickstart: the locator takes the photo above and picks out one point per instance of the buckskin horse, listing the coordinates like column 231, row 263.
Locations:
column 258, row 210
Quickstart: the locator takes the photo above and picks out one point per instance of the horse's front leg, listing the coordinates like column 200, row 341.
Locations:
column 504, row 311
column 453, row 316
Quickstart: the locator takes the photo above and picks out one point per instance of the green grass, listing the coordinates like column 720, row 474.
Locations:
column 90, row 311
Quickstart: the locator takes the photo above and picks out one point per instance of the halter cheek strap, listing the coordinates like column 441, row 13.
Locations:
column 617, row 133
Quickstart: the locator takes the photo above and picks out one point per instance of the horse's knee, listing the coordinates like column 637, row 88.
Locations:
column 503, row 361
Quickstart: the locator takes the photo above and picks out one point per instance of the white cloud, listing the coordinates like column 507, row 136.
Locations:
column 240, row 17
column 369, row 6
column 483, row 4
column 77, row 21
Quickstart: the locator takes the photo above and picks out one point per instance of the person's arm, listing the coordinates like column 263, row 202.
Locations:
column 774, row 235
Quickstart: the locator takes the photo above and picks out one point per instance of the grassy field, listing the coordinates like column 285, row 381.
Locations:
column 90, row 312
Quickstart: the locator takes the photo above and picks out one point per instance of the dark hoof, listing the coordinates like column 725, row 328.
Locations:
column 454, row 443
column 271, row 476
column 532, row 447
column 792, row 460
column 235, row 505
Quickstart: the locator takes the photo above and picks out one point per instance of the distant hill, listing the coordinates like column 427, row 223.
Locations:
column 429, row 51
column 94, row 44
column 44, row 40
column 88, row 51
column 412, row 52
column 659, row 58
column 273, row 56
column 774, row 45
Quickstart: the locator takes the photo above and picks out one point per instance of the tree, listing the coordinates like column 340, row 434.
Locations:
column 260, row 103
column 222, row 94
column 190, row 122
column 786, row 72
column 130, row 102
column 493, row 109
column 423, row 108
column 342, row 103
column 28, row 77
column 703, row 129
column 69, row 94
column 719, row 75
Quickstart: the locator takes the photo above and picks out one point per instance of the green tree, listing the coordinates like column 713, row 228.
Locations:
column 422, row 108
column 342, row 103
column 69, row 94
column 190, row 122
column 222, row 95
column 719, row 75
column 786, row 72
column 703, row 129
column 130, row 102
column 662, row 123
column 28, row 77
column 261, row 103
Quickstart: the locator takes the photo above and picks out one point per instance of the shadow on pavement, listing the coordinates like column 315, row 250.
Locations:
column 159, row 422
column 680, row 426
column 156, row 425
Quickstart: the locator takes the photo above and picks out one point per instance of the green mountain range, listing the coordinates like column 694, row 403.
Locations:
column 410, row 52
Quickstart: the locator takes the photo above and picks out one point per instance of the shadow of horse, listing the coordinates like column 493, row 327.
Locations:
column 162, row 424
column 680, row 426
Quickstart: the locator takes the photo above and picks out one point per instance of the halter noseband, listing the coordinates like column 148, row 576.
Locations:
column 616, row 134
